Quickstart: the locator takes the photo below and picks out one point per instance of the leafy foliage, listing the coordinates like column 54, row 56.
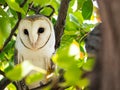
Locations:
column 71, row 56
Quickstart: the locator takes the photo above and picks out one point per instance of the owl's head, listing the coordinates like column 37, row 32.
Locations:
column 35, row 31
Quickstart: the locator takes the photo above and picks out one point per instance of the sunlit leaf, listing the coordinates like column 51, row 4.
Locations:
column 87, row 9
column 5, row 28
column 20, row 71
column 68, row 61
column 71, row 32
column 72, row 75
column 46, row 11
column 74, row 19
column 67, row 58
column 70, row 88
column 88, row 66
column 15, row 6
column 11, row 87
column 79, row 16
column 84, row 82
column 34, row 78
column 55, row 5
column 41, row 2
column 69, row 24
column 80, row 3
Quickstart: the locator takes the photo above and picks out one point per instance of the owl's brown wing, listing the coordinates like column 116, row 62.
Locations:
column 16, row 57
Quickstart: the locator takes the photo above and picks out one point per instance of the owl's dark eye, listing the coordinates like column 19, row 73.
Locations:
column 26, row 32
column 41, row 30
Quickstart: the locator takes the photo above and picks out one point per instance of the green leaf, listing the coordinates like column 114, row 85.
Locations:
column 5, row 28
column 79, row 16
column 69, row 23
column 68, row 61
column 80, row 3
column 87, row 9
column 15, row 6
column 88, row 66
column 11, row 87
column 88, row 27
column 70, row 88
column 55, row 5
column 20, row 71
column 72, row 75
column 3, row 13
column 19, row 1
column 83, row 82
column 2, row 1
column 46, row 11
column 82, row 49
column 41, row 2
column 71, row 32
column 74, row 19
column 34, row 78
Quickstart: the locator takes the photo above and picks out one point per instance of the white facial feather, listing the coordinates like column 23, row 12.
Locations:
column 35, row 41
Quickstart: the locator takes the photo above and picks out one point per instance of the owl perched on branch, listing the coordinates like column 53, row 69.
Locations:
column 35, row 42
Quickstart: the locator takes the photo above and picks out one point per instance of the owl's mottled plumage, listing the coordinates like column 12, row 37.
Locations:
column 35, row 42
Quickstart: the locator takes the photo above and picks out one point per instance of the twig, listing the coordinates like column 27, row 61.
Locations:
column 38, row 9
column 53, row 10
column 59, row 27
column 2, row 73
column 35, row 9
column 4, row 82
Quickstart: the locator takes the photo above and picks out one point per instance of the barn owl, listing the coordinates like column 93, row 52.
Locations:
column 35, row 42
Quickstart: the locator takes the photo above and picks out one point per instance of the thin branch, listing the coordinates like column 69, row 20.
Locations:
column 37, row 9
column 59, row 27
column 2, row 73
column 4, row 82
column 53, row 10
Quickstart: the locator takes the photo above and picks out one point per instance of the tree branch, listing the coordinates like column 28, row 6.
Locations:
column 59, row 27
column 5, row 81
column 14, row 28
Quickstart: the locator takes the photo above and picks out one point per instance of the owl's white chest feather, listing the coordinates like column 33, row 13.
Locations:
column 36, row 57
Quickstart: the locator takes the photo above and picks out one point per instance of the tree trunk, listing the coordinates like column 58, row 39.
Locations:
column 106, row 74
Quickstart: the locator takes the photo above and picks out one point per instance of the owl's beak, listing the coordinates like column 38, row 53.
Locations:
column 33, row 45
column 33, row 41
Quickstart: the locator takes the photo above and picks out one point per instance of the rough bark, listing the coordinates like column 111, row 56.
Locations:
column 106, row 74
column 59, row 27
